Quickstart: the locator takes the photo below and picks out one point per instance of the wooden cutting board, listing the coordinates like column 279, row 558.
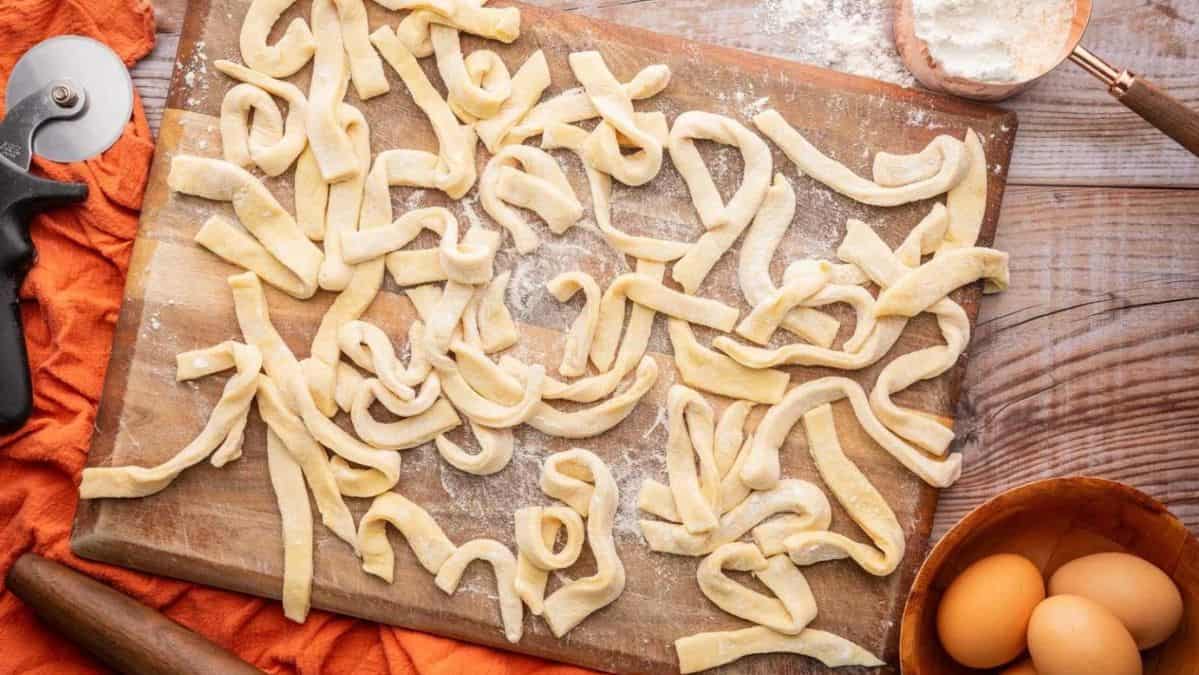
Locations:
column 220, row 526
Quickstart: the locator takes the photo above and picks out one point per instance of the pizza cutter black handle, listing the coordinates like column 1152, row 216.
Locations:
column 21, row 195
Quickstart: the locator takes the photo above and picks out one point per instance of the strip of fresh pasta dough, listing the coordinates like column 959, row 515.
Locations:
column 602, row 148
column 495, row 23
column 454, row 173
column 269, row 143
column 495, row 450
column 541, row 187
column 730, row 434
column 790, row 610
column 578, row 339
column 593, row 421
column 345, row 201
column 724, row 223
column 445, row 319
column 600, row 185
column 860, row 499
column 575, row 105
column 503, row 564
column 791, row 496
column 409, row 432
column 253, row 316
column 761, row 469
column 865, row 249
column 497, row 331
column 308, row 454
column 537, row 528
column 530, row 80
column 471, row 260
column 370, row 349
column 761, row 323
column 224, row 426
column 330, row 74
column 286, row 56
column 690, row 464
column 311, row 200
column 890, row 170
column 287, row 481
column 531, row 580
column 730, row 447
column 862, row 248
column 470, row 322
column 359, row 285
column 428, row 541
column 199, row 363
column 711, row 650
column 235, row 246
column 920, row 429
column 606, row 340
column 632, row 350
column 920, row 288
column 837, row 176
column 647, row 291
column 713, row 212
column 371, row 390
column 885, row 334
column 479, row 99
column 257, row 210
column 485, row 411
column 758, row 249
column 366, row 70
column 349, row 380
column 531, row 523
column 561, row 478
column 967, row 201
column 705, row 369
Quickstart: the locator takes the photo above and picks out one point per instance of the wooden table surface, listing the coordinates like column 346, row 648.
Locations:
column 1089, row 364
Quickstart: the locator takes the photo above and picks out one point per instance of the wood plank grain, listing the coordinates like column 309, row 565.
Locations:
column 1071, row 131
column 1089, row 364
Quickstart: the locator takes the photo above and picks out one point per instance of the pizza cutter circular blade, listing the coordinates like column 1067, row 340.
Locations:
column 107, row 89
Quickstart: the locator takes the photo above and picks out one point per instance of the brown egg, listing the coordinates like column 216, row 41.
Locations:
column 1071, row 635
column 1024, row 667
column 983, row 615
column 1141, row 596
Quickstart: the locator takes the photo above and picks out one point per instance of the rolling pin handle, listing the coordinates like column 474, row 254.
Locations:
column 125, row 635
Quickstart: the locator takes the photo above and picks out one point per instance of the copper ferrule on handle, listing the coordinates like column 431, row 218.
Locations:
column 1118, row 81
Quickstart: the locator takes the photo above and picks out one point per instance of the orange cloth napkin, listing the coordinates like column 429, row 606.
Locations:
column 70, row 303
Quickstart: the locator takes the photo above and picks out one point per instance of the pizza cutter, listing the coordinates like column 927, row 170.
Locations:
column 68, row 99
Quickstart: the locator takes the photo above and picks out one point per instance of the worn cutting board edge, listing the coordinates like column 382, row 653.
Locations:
column 91, row 540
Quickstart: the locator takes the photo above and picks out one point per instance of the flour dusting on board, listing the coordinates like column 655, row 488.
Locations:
column 852, row 36
column 194, row 72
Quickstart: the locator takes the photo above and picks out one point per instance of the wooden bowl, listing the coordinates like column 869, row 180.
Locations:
column 1052, row 522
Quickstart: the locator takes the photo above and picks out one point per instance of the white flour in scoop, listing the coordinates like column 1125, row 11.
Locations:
column 994, row 41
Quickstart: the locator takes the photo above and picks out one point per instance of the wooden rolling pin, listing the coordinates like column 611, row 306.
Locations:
column 121, row 633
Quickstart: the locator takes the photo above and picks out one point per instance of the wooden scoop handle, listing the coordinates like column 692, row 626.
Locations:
column 1171, row 116
column 1160, row 109
column 122, row 633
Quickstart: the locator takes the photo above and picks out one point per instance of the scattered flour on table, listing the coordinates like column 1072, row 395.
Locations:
column 194, row 72
column 852, row 36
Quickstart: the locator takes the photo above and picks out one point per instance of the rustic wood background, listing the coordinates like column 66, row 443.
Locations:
column 1090, row 363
